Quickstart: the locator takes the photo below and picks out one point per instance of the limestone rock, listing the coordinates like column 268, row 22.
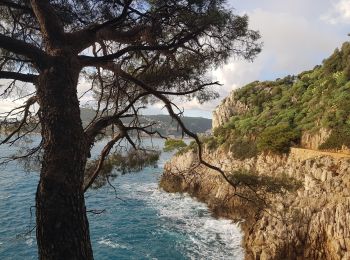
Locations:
column 310, row 223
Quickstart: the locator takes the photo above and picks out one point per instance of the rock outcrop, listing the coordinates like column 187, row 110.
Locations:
column 314, row 140
column 228, row 108
column 312, row 222
column 296, row 113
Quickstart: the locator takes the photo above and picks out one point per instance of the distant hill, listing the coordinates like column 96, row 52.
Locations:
column 164, row 123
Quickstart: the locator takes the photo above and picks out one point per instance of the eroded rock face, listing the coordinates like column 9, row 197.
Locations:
column 228, row 108
column 310, row 223
column 314, row 140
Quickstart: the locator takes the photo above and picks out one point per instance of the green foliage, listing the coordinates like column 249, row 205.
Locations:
column 278, row 139
column 132, row 161
column 278, row 184
column 211, row 143
column 338, row 61
column 338, row 138
column 173, row 144
column 280, row 110
column 243, row 148
column 231, row 140
column 191, row 147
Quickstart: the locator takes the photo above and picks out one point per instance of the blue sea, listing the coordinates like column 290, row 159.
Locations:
column 139, row 222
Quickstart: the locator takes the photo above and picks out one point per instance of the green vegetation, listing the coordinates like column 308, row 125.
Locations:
column 337, row 139
column 173, row 144
column 191, row 147
column 243, row 148
column 118, row 163
column 278, row 139
column 280, row 110
column 278, row 184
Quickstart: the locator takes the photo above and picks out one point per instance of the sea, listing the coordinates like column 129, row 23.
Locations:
column 137, row 220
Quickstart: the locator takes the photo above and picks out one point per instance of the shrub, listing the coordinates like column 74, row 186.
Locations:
column 243, row 149
column 191, row 147
column 132, row 161
column 339, row 137
column 278, row 139
column 211, row 143
column 265, row 183
column 173, row 144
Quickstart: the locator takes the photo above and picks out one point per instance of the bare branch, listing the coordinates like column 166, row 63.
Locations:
column 106, row 121
column 28, row 154
column 144, row 129
column 86, row 37
column 115, row 21
column 25, row 49
column 15, row 6
column 18, row 76
column 104, row 154
column 171, row 112
column 200, row 87
column 26, row 107
column 96, row 61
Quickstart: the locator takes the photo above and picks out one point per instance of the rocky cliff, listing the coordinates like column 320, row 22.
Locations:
column 285, row 146
column 312, row 222
column 311, row 107
column 229, row 107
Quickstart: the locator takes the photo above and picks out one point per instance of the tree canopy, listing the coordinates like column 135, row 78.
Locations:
column 130, row 53
column 133, row 53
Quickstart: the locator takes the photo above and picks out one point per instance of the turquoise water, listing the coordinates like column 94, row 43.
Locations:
column 142, row 223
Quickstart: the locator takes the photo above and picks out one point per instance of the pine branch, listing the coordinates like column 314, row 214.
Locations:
column 18, row 76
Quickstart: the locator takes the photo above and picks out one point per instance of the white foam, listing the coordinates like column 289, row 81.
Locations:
column 211, row 238
column 29, row 241
column 110, row 243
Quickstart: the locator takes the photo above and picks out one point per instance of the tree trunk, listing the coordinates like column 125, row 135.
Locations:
column 62, row 225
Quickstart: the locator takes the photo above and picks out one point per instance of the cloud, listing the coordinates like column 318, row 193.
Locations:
column 340, row 13
column 292, row 44
column 6, row 105
column 295, row 39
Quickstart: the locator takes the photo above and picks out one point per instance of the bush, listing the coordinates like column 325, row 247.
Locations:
column 211, row 143
column 278, row 139
column 173, row 144
column 243, row 149
column 260, row 183
column 338, row 138
column 132, row 161
column 191, row 147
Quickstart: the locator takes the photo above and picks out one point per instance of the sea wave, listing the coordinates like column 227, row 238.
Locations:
column 112, row 244
column 210, row 238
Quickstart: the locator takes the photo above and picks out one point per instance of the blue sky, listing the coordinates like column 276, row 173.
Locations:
column 297, row 35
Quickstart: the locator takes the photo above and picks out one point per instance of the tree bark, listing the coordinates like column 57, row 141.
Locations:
column 62, row 224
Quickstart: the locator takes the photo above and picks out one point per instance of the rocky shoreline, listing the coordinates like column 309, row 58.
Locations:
column 312, row 222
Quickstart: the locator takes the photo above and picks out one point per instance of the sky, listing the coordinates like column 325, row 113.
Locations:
column 296, row 36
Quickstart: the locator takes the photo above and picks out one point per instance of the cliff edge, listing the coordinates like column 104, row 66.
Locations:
column 284, row 144
column 310, row 222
